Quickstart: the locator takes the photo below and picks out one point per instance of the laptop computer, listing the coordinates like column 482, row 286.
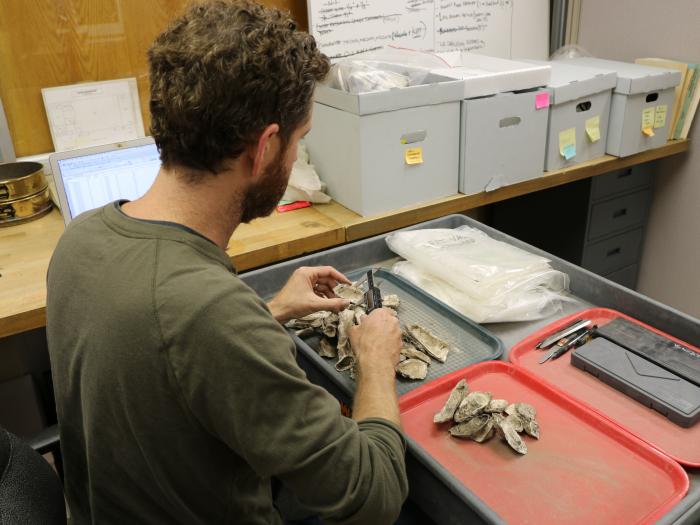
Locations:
column 88, row 178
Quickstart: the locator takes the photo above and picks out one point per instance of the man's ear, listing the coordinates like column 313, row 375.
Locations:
column 264, row 150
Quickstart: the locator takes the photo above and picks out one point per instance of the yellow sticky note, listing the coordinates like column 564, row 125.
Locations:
column 567, row 143
column 593, row 128
column 660, row 116
column 647, row 119
column 413, row 156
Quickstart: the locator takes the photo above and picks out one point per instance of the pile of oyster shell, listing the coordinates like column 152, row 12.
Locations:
column 479, row 417
column 420, row 345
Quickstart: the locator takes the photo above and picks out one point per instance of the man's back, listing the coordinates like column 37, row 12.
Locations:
column 178, row 394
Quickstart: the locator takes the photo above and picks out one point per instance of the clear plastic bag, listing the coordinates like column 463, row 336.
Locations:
column 383, row 69
column 487, row 280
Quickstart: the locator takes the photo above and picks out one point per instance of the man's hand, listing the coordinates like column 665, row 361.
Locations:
column 308, row 290
column 376, row 342
column 377, row 345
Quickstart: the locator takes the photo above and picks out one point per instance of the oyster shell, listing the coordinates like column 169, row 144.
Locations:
column 411, row 352
column 526, row 410
column 352, row 293
column 346, row 358
column 412, row 369
column 391, row 301
column 516, row 422
column 326, row 348
column 485, row 433
column 512, row 437
column 496, row 405
column 360, row 312
column 471, row 427
column 473, row 404
column 428, row 342
column 497, row 420
column 532, row 428
column 456, row 396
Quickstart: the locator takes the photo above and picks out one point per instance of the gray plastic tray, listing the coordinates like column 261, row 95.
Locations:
column 469, row 342
column 441, row 496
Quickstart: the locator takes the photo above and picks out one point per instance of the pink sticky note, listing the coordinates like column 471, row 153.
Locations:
column 542, row 100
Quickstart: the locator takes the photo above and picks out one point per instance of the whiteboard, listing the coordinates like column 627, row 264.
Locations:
column 500, row 28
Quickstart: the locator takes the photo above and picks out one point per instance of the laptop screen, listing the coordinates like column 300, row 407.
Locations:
column 93, row 180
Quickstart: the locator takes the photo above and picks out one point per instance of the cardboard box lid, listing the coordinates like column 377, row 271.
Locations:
column 570, row 82
column 633, row 79
column 483, row 75
column 437, row 89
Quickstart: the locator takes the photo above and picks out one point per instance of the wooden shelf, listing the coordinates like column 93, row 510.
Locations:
column 26, row 249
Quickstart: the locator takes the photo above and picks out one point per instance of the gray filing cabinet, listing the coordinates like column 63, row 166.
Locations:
column 596, row 223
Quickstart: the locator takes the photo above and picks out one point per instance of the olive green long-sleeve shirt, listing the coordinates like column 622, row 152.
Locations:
column 179, row 396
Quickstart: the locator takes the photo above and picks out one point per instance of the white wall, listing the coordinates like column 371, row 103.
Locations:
column 629, row 29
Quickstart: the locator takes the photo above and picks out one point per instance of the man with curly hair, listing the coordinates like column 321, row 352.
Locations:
column 178, row 394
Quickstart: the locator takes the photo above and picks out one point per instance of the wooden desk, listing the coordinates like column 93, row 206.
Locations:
column 25, row 250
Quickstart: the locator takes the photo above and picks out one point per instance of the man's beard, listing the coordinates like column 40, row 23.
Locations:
column 260, row 200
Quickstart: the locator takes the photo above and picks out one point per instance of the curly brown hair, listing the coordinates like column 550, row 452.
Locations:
column 221, row 73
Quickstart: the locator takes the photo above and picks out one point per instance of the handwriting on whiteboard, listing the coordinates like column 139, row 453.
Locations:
column 348, row 27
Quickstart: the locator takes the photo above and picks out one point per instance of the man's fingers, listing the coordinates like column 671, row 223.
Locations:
column 334, row 305
column 324, row 290
column 326, row 272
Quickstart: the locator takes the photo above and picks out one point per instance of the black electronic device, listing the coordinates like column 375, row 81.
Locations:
column 642, row 380
column 666, row 353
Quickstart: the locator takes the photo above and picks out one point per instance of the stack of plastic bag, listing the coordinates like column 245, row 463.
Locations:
column 489, row 281
column 304, row 183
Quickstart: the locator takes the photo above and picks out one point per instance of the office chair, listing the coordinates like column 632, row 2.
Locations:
column 30, row 491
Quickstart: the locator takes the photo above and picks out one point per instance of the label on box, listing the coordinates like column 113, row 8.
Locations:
column 542, row 100
column 413, row 156
column 648, row 122
column 660, row 116
column 593, row 128
column 567, row 143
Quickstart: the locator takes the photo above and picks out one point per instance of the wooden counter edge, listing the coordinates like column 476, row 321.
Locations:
column 23, row 322
column 365, row 227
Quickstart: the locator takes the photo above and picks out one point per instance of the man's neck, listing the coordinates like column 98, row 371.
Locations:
column 211, row 207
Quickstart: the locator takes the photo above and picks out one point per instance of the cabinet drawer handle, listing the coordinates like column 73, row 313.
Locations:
column 614, row 251
column 625, row 173
column 583, row 106
column 652, row 97
column 620, row 213
column 510, row 121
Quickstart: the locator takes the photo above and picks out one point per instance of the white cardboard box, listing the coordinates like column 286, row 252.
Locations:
column 578, row 114
column 641, row 107
column 385, row 150
column 503, row 141
column 503, row 132
column 484, row 75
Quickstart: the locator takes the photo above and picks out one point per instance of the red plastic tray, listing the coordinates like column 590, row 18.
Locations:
column 584, row 469
column 682, row 444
